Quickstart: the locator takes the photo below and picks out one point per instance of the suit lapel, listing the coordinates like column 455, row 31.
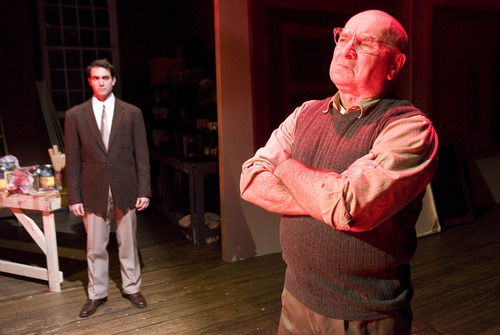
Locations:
column 117, row 118
column 88, row 113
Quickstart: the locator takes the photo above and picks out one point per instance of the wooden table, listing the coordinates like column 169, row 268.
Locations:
column 46, row 240
column 197, row 171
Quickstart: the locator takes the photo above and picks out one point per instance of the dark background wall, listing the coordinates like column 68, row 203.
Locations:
column 158, row 28
column 23, row 121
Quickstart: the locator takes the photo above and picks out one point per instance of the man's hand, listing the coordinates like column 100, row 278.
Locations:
column 142, row 203
column 77, row 209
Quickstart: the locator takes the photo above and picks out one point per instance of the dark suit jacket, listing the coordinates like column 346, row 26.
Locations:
column 90, row 169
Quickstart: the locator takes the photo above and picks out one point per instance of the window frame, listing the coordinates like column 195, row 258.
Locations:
column 71, row 86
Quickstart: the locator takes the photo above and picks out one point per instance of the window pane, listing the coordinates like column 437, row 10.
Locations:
column 101, row 18
column 103, row 38
column 87, row 38
column 88, row 57
column 86, row 19
column 69, row 17
column 56, row 59
column 54, row 36
column 75, row 79
column 57, row 79
column 52, row 16
column 71, row 37
column 73, row 59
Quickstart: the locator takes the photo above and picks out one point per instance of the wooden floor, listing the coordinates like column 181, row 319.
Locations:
column 190, row 290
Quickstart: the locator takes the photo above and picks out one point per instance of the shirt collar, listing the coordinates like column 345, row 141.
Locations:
column 109, row 102
column 365, row 106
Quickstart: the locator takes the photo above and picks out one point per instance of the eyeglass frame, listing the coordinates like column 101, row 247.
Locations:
column 358, row 43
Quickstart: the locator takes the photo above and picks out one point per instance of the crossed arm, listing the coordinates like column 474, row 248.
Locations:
column 376, row 186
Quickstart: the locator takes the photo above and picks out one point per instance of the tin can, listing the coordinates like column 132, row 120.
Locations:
column 3, row 178
column 47, row 179
column 6, row 170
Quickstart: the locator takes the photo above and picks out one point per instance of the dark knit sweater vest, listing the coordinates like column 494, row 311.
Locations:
column 338, row 274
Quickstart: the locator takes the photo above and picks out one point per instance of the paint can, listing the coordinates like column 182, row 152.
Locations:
column 47, row 180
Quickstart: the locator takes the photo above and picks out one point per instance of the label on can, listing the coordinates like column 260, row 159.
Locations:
column 47, row 182
column 47, row 179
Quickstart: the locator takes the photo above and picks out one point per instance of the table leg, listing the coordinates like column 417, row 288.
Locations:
column 192, row 206
column 49, row 229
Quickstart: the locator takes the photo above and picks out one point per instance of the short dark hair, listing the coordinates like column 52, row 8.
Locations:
column 101, row 63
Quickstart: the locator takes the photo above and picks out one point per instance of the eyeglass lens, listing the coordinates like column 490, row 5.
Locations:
column 362, row 42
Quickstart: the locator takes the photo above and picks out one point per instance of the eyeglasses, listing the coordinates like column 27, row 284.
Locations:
column 362, row 42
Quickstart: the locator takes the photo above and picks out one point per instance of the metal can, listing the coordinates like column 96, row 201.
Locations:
column 3, row 178
column 47, row 179
column 6, row 170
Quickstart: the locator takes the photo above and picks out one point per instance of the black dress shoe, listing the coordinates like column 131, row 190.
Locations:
column 137, row 300
column 91, row 306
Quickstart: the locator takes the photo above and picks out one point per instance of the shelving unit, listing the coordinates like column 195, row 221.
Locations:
column 183, row 134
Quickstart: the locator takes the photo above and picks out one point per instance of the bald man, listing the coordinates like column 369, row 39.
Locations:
column 348, row 174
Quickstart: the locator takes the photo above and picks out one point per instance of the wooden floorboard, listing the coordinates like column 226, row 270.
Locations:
column 191, row 291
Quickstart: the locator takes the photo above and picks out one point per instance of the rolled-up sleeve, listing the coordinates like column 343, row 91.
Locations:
column 376, row 186
column 276, row 150
column 258, row 184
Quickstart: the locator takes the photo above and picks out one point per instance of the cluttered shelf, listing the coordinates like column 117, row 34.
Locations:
column 183, row 117
column 187, row 193
column 183, row 132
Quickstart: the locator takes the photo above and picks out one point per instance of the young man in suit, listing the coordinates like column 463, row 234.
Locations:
column 108, row 180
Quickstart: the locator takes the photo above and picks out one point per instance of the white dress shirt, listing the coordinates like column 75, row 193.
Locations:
column 109, row 104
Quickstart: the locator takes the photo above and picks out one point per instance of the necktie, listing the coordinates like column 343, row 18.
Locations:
column 104, row 127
